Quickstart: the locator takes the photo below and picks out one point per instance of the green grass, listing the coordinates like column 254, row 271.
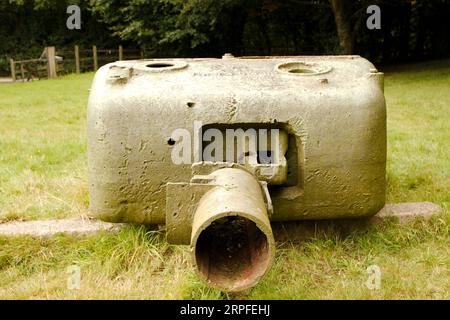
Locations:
column 43, row 148
column 418, row 104
column 43, row 175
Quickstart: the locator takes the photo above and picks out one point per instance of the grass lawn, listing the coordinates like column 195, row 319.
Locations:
column 43, row 175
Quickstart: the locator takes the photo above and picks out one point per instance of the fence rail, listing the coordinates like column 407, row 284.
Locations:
column 53, row 62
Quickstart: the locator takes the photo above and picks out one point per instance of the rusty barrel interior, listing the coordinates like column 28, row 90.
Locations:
column 232, row 239
column 232, row 252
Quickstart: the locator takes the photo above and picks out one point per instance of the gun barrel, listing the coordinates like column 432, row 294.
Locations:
column 232, row 240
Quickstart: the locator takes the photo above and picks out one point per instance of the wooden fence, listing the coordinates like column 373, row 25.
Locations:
column 56, row 62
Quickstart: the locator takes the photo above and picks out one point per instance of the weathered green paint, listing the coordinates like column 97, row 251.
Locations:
column 332, row 116
column 183, row 198
column 337, row 116
column 231, row 240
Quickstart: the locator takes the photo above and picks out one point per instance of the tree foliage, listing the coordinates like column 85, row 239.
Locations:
column 411, row 29
column 27, row 26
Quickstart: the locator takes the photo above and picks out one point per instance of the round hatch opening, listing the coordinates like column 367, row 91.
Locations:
column 302, row 68
column 160, row 65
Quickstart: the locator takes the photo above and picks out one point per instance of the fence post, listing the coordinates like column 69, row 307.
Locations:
column 94, row 56
column 77, row 59
column 13, row 69
column 51, row 62
column 142, row 53
column 22, row 72
column 120, row 53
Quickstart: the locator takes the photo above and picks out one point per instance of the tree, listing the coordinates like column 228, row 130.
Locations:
column 410, row 29
column 342, row 15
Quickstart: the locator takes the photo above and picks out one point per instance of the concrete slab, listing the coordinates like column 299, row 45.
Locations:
column 48, row 228
column 291, row 231
column 402, row 213
column 408, row 211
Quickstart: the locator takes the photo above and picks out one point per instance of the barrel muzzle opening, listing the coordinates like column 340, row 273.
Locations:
column 233, row 253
